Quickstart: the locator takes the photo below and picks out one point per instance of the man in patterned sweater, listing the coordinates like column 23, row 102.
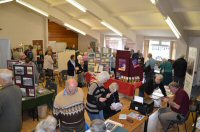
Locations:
column 69, row 108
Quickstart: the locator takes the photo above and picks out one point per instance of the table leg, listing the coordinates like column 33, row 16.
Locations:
column 146, row 125
column 197, row 114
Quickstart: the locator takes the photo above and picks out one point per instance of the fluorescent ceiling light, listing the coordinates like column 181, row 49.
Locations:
column 111, row 28
column 5, row 1
column 173, row 27
column 77, row 5
column 75, row 29
column 32, row 7
column 153, row 1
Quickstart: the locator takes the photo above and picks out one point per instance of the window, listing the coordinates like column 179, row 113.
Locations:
column 159, row 49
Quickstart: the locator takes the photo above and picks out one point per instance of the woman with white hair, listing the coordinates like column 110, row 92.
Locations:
column 96, row 96
column 47, row 125
column 113, row 105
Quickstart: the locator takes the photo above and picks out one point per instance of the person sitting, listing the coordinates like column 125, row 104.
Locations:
column 10, row 103
column 179, row 106
column 96, row 96
column 69, row 108
column 109, row 110
column 148, row 87
column 47, row 125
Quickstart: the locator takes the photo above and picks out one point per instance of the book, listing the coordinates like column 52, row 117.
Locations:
column 111, row 125
column 123, row 116
column 136, row 116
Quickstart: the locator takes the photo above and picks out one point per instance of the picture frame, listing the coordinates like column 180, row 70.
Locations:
column 18, row 70
column 29, row 70
column 28, row 81
column 18, row 80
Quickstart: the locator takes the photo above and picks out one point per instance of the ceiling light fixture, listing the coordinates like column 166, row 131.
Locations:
column 75, row 29
column 173, row 27
column 111, row 28
column 77, row 5
column 5, row 1
column 153, row 1
column 32, row 7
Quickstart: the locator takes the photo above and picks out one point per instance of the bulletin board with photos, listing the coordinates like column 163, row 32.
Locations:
column 10, row 64
column 98, row 62
column 24, row 78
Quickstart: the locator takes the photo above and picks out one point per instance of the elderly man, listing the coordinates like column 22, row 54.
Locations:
column 148, row 87
column 10, row 103
column 69, row 108
column 179, row 106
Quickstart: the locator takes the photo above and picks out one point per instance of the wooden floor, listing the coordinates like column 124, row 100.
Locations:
column 153, row 124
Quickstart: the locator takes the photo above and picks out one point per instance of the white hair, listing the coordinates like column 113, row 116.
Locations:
column 98, row 125
column 47, row 125
column 103, row 76
column 114, row 86
column 6, row 75
column 160, row 76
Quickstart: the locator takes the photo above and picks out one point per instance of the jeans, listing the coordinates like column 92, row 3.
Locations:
column 165, row 115
column 96, row 116
column 79, row 128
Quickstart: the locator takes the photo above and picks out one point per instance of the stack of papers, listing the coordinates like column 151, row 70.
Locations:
column 116, row 106
column 136, row 116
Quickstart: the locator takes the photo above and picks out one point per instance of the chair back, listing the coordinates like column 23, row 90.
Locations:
column 64, row 74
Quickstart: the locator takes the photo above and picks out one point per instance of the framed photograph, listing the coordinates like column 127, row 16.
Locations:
column 31, row 92
column 91, row 55
column 97, row 55
column 23, row 91
column 19, row 70
column 10, row 64
column 18, row 80
column 91, row 60
column 122, row 65
column 27, row 81
column 30, row 70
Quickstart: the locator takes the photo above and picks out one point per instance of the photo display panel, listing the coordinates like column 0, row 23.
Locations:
column 24, row 78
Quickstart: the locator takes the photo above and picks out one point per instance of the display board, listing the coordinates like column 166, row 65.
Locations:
column 25, row 79
column 57, row 46
column 98, row 62
column 191, row 63
column 10, row 64
column 122, row 62
column 63, row 58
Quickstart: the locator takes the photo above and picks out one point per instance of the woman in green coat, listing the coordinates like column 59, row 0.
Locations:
column 166, row 70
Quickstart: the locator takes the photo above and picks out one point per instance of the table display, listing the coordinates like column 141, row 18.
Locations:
column 129, row 123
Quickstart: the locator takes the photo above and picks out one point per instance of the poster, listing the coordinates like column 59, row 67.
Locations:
column 191, row 63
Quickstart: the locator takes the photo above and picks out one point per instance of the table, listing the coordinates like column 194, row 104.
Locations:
column 41, row 99
column 136, row 126
column 124, row 87
column 197, row 113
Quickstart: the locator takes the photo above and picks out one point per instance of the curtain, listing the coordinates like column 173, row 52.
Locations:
column 146, row 49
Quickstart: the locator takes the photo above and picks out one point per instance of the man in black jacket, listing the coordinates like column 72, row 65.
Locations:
column 180, row 67
column 148, row 87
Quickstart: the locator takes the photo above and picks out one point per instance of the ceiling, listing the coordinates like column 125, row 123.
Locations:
column 130, row 17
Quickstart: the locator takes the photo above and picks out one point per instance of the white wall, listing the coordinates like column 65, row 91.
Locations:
column 181, row 48
column 21, row 25
column 84, row 41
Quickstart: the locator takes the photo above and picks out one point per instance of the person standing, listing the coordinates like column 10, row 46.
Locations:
column 180, row 67
column 96, row 96
column 113, row 63
column 10, row 103
column 149, row 67
column 68, row 108
column 166, row 70
column 71, row 64
column 179, row 106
